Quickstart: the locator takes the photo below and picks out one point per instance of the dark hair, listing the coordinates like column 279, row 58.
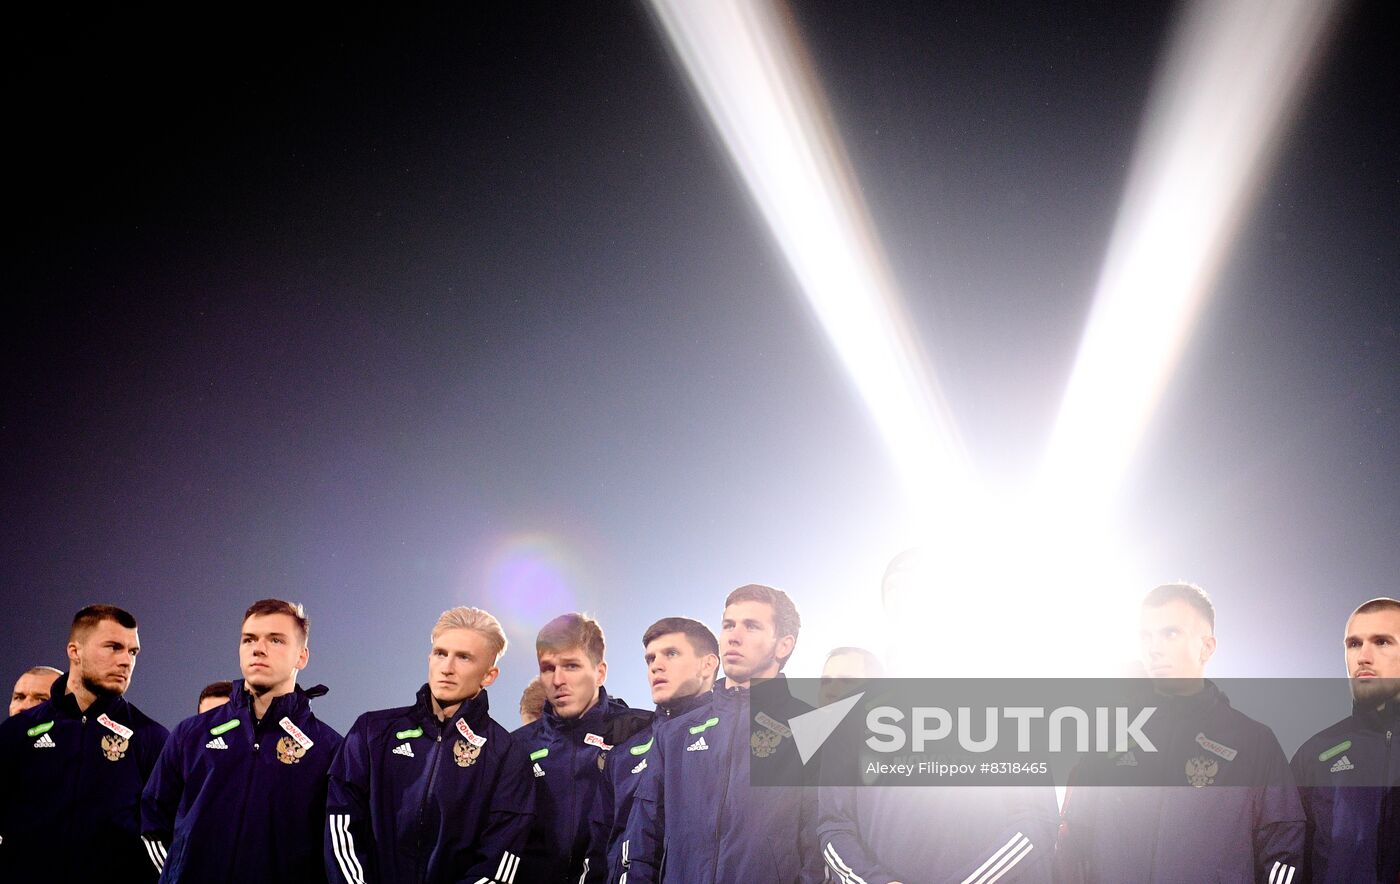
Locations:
column 215, row 689
column 1374, row 605
column 85, row 620
column 266, row 607
column 786, row 620
column 572, row 630
column 1189, row 593
column 702, row 640
column 873, row 667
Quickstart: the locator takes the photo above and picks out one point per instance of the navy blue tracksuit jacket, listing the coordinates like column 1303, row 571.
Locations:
column 1349, row 778
column 1231, row 811
column 699, row 818
column 566, row 759
column 232, row 799
column 70, row 790
column 627, row 767
column 415, row 800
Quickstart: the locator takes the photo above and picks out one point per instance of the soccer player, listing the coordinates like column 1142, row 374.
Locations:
column 1218, row 780
column 1349, row 774
column 72, row 768
column 698, row 806
column 682, row 657
column 213, row 696
column 532, row 702
column 239, row 793
column 32, row 687
column 568, row 749
column 436, row 792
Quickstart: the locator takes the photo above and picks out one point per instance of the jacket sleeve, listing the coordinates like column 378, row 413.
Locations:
column 1280, row 828
column 1022, row 849
column 507, row 824
column 839, row 839
column 349, row 834
column 644, row 836
column 161, row 799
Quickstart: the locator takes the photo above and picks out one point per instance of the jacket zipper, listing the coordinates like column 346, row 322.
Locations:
column 428, row 796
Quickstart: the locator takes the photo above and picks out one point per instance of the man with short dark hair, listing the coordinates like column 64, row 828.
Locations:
column 1218, row 780
column 436, row 792
column 569, row 748
column 33, row 687
column 214, row 695
column 1349, row 774
column 681, row 657
column 239, row 793
column 72, row 768
column 698, row 808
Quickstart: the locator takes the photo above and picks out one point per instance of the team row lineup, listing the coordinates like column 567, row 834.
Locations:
column 255, row 787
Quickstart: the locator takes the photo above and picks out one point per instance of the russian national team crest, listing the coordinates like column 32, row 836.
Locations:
column 1201, row 771
column 464, row 753
column 115, row 744
column 289, row 751
column 768, row 736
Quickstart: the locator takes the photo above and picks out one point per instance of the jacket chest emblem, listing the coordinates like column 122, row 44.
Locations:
column 292, row 748
column 767, row 736
column 115, row 744
column 465, row 754
column 1201, row 771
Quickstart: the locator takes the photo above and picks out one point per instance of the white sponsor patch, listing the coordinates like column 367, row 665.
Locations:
column 404, row 749
column 216, row 743
column 595, row 740
column 469, row 735
column 1220, row 749
column 45, row 742
column 698, row 746
column 772, row 724
column 295, row 733
column 115, row 727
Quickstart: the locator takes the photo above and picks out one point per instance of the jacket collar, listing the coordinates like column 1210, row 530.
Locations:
column 474, row 711
column 590, row 721
column 66, row 705
column 295, row 705
column 683, row 705
column 1384, row 719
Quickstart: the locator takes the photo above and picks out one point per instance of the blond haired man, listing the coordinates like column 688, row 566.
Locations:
column 437, row 791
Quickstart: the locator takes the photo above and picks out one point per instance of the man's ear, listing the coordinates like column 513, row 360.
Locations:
column 602, row 671
column 1207, row 649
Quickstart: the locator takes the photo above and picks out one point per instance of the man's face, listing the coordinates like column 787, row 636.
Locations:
column 675, row 670
column 571, row 681
column 1373, row 656
column 460, row 664
column 749, row 642
column 270, row 652
column 105, row 658
column 31, row 690
column 1176, row 641
column 840, row 674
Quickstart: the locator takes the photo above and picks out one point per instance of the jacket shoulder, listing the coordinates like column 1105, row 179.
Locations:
column 1325, row 738
column 140, row 721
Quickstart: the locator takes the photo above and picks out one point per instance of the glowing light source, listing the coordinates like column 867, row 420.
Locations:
column 747, row 66
column 1233, row 74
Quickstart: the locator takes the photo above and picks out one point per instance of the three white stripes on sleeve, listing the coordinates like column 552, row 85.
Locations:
column 156, row 851
column 1001, row 862
column 343, row 846
column 1282, row 873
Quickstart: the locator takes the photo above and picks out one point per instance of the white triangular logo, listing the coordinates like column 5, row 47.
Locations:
column 45, row 742
column 539, row 771
column 216, row 743
column 1342, row 764
column 810, row 729
column 698, row 746
column 641, row 767
column 404, row 749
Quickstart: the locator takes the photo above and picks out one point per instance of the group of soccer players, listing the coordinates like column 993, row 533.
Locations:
column 256, row 788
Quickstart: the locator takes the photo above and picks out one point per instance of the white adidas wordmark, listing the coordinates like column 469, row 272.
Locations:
column 641, row 767
column 216, row 743
column 404, row 749
column 698, row 746
column 1342, row 764
column 45, row 742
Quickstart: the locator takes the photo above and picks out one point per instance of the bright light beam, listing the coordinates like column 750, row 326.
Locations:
column 746, row 65
column 1217, row 111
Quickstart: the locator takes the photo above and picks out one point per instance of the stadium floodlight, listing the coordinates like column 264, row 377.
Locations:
column 1233, row 73
column 747, row 67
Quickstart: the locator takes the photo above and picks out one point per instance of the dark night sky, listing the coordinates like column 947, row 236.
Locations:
column 391, row 312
